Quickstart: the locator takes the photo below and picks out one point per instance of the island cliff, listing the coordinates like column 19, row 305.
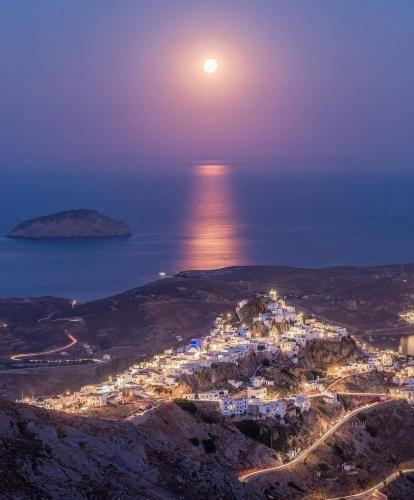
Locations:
column 81, row 223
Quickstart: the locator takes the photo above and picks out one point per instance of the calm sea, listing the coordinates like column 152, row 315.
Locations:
column 202, row 217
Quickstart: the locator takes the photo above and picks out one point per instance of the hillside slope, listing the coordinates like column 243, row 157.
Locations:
column 53, row 456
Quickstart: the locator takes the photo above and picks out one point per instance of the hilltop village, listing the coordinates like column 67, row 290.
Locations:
column 276, row 333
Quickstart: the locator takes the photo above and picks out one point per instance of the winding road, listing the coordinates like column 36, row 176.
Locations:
column 327, row 394
column 373, row 394
column 73, row 341
column 392, row 477
column 72, row 338
column 246, row 477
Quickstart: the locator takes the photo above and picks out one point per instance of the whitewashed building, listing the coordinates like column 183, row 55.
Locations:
column 276, row 408
column 230, row 406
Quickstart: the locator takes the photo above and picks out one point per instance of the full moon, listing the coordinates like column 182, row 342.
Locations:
column 210, row 65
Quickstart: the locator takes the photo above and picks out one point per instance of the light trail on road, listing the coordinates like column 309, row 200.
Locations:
column 388, row 480
column 312, row 447
column 73, row 341
column 75, row 320
column 373, row 394
column 327, row 394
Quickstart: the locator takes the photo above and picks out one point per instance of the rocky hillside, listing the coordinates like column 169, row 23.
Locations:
column 53, row 456
column 402, row 488
column 189, row 434
column 374, row 381
column 280, row 370
column 252, row 309
column 217, row 375
column 24, row 312
column 80, row 223
column 322, row 354
column 373, row 444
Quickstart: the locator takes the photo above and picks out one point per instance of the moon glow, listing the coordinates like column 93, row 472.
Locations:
column 210, row 65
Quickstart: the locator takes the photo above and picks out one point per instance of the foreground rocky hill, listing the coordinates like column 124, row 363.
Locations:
column 81, row 223
column 54, row 456
column 170, row 453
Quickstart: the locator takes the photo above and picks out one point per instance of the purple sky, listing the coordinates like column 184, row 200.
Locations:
column 117, row 84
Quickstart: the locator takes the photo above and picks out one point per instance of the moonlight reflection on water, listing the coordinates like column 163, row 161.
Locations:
column 212, row 227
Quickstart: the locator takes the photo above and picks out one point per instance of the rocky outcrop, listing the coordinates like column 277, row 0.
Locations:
column 321, row 354
column 217, row 375
column 174, row 429
column 260, row 329
column 375, row 381
column 80, row 223
column 252, row 309
column 280, row 370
